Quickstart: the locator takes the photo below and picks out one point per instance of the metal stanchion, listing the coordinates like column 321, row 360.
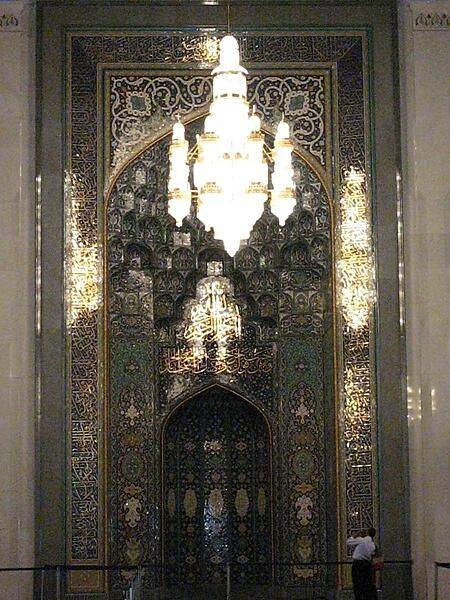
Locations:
column 436, row 581
column 58, row 583
column 139, row 585
column 42, row 583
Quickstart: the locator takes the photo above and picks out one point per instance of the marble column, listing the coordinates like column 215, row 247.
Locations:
column 425, row 111
column 17, row 405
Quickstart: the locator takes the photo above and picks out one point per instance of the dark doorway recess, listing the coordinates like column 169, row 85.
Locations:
column 217, row 492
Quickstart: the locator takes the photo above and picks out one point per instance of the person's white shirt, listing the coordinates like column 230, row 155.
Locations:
column 364, row 547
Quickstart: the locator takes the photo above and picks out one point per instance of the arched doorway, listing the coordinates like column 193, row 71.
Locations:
column 217, row 491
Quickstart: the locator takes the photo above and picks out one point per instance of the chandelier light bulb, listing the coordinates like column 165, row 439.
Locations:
column 282, row 130
column 178, row 131
column 229, row 52
column 254, row 122
column 230, row 170
column 178, row 187
column 210, row 126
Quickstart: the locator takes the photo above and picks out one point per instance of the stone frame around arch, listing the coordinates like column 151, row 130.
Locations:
column 55, row 509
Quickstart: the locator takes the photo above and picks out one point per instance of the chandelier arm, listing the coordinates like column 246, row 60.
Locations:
column 267, row 152
column 192, row 154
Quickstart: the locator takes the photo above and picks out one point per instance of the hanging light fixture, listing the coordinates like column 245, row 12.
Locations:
column 230, row 161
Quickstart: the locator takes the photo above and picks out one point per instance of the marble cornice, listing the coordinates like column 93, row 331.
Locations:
column 13, row 16
column 430, row 16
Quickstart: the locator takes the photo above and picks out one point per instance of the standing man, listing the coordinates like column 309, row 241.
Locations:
column 362, row 574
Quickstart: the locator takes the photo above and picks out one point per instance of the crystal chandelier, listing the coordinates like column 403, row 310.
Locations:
column 212, row 318
column 230, row 161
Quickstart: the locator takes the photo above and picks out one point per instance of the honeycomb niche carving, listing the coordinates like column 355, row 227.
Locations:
column 282, row 283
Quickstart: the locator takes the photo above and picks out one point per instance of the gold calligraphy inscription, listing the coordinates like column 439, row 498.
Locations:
column 238, row 361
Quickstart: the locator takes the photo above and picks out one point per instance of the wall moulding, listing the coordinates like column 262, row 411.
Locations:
column 12, row 17
column 430, row 16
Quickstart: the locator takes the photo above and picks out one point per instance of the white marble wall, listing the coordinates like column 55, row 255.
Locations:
column 16, row 295
column 425, row 105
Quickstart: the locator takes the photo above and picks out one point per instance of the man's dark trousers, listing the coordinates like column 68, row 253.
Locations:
column 362, row 576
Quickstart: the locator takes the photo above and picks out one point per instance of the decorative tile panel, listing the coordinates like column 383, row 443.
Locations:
column 283, row 280
column 139, row 104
